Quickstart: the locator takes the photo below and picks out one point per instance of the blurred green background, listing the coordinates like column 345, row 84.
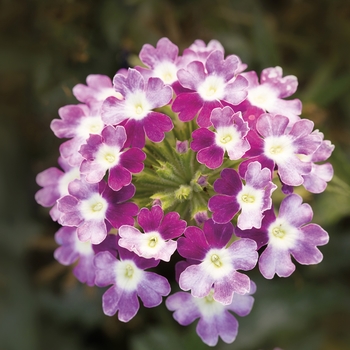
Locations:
column 49, row 46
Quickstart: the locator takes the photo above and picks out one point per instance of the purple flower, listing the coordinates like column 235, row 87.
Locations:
column 55, row 185
column 163, row 61
column 229, row 136
column 72, row 249
column 252, row 199
column 270, row 93
column 218, row 264
column 90, row 207
column 136, row 109
column 77, row 123
column 98, row 87
column 282, row 146
column 209, row 84
column 159, row 230
column 129, row 281
column 288, row 234
column 104, row 152
column 215, row 319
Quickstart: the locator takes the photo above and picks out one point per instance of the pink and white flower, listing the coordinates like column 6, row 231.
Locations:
column 159, row 231
column 104, row 153
column 229, row 136
column 136, row 109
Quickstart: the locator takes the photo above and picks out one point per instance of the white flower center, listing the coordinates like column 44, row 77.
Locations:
column 107, row 156
column 278, row 148
column 217, row 263
column 136, row 105
column 66, row 179
column 250, row 197
column 262, row 96
column 84, row 248
column 94, row 208
column 208, row 306
column 166, row 71
column 282, row 234
column 90, row 125
column 150, row 244
column 128, row 275
column 213, row 88
column 226, row 137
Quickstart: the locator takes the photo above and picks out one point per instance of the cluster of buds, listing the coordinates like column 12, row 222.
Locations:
column 184, row 154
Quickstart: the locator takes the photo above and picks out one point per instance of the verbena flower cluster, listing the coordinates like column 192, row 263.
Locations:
column 184, row 154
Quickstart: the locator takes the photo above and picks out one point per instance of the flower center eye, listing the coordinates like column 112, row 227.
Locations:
column 153, row 241
column 278, row 232
column 215, row 259
column 110, row 158
column 276, row 149
column 129, row 271
column 211, row 91
column 262, row 98
column 138, row 109
column 167, row 77
column 97, row 207
column 209, row 298
column 226, row 139
column 248, row 198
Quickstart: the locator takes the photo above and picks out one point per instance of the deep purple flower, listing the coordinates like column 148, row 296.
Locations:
column 215, row 319
column 159, row 231
column 129, row 281
column 229, row 135
column 218, row 264
column 136, row 109
column 104, row 152
column 288, row 234
column 208, row 85
column 252, row 199
column 91, row 206
column 282, row 146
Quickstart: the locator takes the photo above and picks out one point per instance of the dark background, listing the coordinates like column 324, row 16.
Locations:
column 46, row 47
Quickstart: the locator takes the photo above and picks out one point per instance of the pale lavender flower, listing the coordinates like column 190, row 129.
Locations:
column 270, row 93
column 215, row 319
column 105, row 152
column 77, row 123
column 316, row 180
column 136, row 109
column 163, row 61
column 159, row 231
column 72, row 249
column 289, row 234
column 208, row 84
column 218, row 264
column 252, row 198
column 91, row 207
column 229, row 136
column 282, row 146
column 129, row 281
column 98, row 87
column 54, row 183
